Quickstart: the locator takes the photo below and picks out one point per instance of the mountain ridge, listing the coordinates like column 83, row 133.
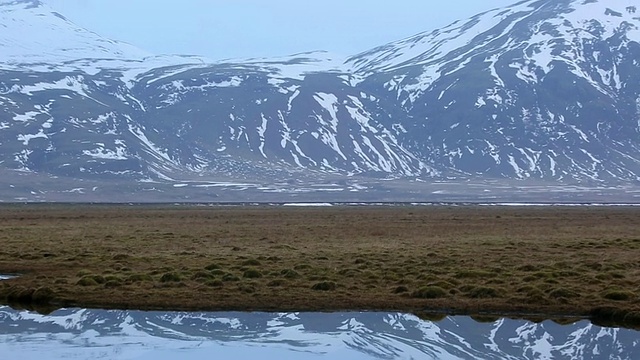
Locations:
column 542, row 90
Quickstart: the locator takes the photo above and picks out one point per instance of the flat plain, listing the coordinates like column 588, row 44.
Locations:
column 535, row 262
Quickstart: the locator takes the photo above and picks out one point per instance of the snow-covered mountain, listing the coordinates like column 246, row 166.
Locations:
column 136, row 335
column 545, row 90
column 36, row 38
column 48, row 38
column 541, row 89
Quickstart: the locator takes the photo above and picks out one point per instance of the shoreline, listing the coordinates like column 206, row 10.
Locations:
column 605, row 317
column 516, row 262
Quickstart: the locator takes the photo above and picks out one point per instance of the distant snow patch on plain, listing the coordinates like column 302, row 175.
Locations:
column 223, row 184
column 308, row 204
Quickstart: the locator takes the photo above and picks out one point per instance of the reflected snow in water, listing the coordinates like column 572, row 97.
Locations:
column 113, row 334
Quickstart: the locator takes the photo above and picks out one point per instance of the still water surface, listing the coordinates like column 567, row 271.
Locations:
column 101, row 334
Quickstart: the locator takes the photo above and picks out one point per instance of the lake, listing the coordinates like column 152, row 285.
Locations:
column 139, row 335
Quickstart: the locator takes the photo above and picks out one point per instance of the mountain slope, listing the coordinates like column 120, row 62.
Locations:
column 544, row 89
column 318, row 122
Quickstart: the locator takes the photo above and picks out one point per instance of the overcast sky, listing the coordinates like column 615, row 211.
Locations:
column 221, row 29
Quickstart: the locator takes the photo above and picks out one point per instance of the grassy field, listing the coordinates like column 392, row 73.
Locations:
column 537, row 262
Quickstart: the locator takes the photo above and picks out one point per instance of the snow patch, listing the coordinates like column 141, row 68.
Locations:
column 74, row 84
column 120, row 153
column 26, row 117
column 308, row 204
column 28, row 137
column 330, row 103
column 638, row 112
column 261, row 131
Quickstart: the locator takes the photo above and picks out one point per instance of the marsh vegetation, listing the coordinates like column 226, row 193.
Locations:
column 487, row 260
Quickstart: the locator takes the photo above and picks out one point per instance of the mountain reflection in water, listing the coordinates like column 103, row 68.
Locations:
column 113, row 334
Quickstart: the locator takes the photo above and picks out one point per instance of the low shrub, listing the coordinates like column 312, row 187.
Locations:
column 617, row 275
column 618, row 295
column 474, row 274
column 212, row 267
column 431, row 317
column 252, row 274
column 289, row 274
column 87, row 281
column 42, row 295
column 430, row 292
column 202, row 275
column 230, row 278
column 20, row 295
column 113, row 283
column 249, row 289
column 276, row 283
column 563, row 293
column 324, row 286
column 485, row 319
column 170, row 277
column 484, row 292
column 133, row 278
column 528, row 268
column 401, row 289
column 632, row 318
column 251, row 262
column 83, row 272
column 215, row 283
column 349, row 272
column 443, row 284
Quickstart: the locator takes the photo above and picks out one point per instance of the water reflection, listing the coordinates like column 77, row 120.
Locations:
column 99, row 334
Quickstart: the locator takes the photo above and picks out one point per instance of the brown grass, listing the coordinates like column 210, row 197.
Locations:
column 554, row 261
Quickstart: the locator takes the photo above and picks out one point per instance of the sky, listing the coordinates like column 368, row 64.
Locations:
column 223, row 29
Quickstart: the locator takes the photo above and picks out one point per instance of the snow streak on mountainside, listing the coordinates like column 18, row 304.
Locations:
column 546, row 90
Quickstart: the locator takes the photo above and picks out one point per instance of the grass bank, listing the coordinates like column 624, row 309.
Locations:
column 466, row 260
